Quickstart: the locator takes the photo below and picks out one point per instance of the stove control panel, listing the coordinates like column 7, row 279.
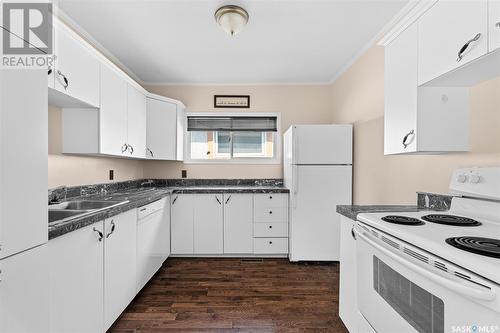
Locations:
column 476, row 182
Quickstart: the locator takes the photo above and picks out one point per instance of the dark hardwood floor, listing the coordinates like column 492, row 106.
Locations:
column 235, row 295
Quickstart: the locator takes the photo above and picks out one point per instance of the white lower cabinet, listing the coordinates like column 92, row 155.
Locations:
column 77, row 280
column 92, row 274
column 120, row 252
column 24, row 295
column 238, row 223
column 348, row 296
column 208, row 223
column 182, row 228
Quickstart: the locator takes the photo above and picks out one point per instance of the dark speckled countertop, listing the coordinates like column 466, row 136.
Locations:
column 352, row 211
column 137, row 195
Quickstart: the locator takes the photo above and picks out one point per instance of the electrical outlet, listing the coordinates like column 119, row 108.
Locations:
column 111, row 174
column 184, row 173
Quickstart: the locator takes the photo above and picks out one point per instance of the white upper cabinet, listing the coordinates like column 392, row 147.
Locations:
column 238, row 223
column 400, row 119
column 136, row 122
column 208, row 223
column 493, row 25
column 113, row 113
column 161, row 129
column 76, row 72
column 451, row 34
column 420, row 119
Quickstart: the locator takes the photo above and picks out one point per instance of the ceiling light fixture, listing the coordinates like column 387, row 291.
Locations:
column 231, row 18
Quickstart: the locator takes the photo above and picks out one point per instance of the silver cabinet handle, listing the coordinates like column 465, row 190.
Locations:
column 99, row 233
column 497, row 24
column 228, row 198
column 49, row 71
column 64, row 81
column 466, row 46
column 270, row 227
column 270, row 242
column 130, row 149
column 175, row 199
column 405, row 143
column 124, row 147
column 112, row 229
column 216, row 198
column 353, row 234
column 150, row 152
column 270, row 212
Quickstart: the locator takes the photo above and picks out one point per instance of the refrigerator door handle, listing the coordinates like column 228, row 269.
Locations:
column 295, row 186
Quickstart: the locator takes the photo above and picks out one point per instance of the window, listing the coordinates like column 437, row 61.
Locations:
column 232, row 138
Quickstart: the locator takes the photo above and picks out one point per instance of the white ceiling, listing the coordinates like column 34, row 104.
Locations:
column 285, row 41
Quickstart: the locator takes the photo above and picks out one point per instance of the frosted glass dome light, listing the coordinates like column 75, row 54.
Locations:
column 231, row 18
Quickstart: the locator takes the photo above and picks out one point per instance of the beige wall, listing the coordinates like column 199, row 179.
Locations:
column 357, row 97
column 78, row 170
column 297, row 104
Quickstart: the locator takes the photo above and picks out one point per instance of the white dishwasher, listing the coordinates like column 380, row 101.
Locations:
column 153, row 239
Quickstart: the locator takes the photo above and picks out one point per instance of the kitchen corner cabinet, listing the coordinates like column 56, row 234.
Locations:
column 348, row 305
column 24, row 295
column 182, row 224
column 164, row 129
column 76, row 268
column 451, row 34
column 493, row 25
column 238, row 223
column 420, row 119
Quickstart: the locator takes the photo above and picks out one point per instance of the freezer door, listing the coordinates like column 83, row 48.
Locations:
column 314, row 223
column 322, row 144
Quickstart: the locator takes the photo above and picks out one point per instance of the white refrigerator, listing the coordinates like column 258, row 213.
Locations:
column 318, row 173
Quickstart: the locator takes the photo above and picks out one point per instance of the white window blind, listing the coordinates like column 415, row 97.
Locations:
column 232, row 124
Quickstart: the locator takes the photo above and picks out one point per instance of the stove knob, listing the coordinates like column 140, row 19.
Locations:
column 462, row 178
column 474, row 179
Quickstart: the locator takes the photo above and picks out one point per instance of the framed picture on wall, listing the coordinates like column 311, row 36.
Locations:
column 232, row 101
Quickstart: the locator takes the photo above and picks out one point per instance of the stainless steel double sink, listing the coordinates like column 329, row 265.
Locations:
column 69, row 210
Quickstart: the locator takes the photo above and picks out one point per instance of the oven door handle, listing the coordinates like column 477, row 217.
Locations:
column 481, row 294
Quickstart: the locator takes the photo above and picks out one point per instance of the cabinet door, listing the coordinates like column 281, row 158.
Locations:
column 119, row 264
column 493, row 25
column 181, row 124
column 24, row 296
column 76, row 281
column 182, row 224
column 238, row 223
column 442, row 32
column 77, row 69
column 348, row 306
column 113, row 112
column 23, row 160
column 208, row 224
column 400, row 114
column 136, row 106
column 161, row 129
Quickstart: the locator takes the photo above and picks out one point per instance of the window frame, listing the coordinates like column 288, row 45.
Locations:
column 276, row 159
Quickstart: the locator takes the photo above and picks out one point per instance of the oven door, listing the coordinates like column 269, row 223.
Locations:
column 398, row 295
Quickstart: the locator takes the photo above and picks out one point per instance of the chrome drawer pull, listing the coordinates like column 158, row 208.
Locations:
column 466, row 46
column 406, row 144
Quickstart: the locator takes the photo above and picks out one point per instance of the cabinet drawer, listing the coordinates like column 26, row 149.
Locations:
column 150, row 208
column 263, row 200
column 270, row 245
column 270, row 214
column 270, row 230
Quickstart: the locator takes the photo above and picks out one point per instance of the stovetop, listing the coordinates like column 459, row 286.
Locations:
column 432, row 237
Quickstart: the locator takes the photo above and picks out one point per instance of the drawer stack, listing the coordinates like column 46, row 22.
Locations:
column 270, row 227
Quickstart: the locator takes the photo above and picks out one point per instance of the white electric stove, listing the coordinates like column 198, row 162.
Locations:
column 434, row 271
